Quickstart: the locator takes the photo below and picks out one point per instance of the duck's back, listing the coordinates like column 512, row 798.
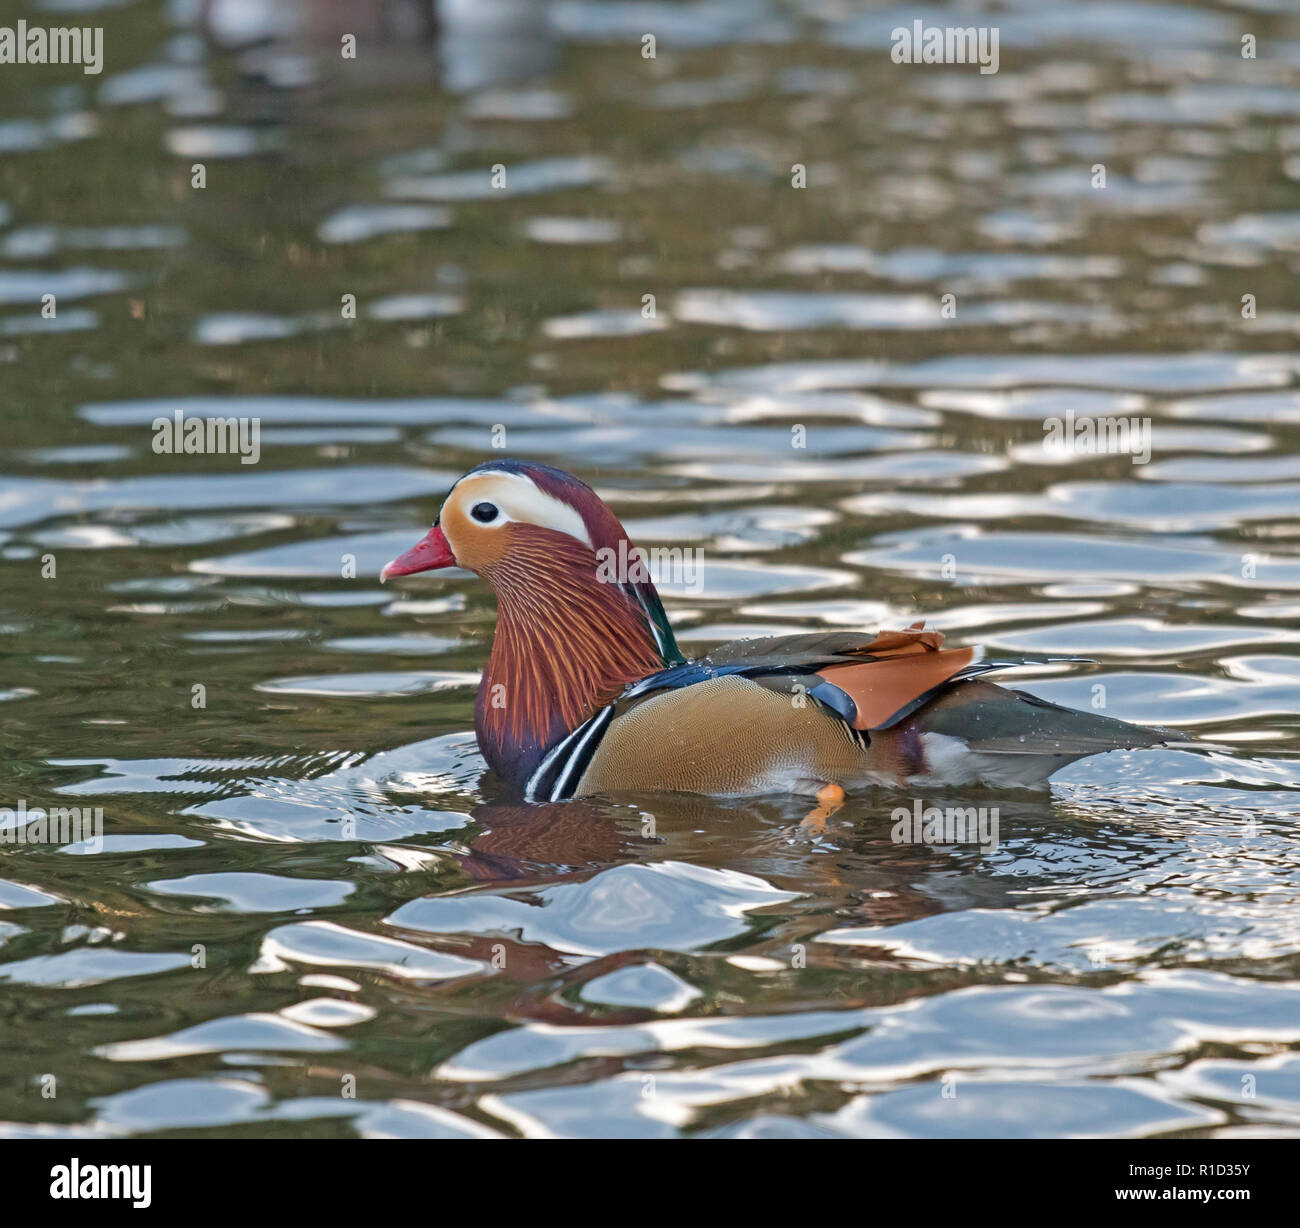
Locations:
column 794, row 713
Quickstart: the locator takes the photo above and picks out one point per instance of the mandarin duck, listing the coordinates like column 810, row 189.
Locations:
column 586, row 691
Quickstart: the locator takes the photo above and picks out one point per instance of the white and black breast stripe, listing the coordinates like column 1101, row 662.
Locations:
column 559, row 772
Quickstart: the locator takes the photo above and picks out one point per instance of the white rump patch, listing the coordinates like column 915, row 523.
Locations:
column 950, row 761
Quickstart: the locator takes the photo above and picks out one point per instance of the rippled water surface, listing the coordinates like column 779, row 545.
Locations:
column 306, row 889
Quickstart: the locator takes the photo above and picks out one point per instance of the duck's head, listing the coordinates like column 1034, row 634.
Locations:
column 531, row 530
column 505, row 510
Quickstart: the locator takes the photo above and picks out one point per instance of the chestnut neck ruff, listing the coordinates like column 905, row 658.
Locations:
column 566, row 643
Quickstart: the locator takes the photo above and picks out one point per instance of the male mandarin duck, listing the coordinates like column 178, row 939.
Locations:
column 586, row 691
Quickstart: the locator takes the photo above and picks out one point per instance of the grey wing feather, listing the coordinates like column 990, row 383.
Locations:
column 1017, row 723
column 779, row 651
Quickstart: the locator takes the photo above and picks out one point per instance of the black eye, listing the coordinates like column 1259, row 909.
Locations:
column 484, row 513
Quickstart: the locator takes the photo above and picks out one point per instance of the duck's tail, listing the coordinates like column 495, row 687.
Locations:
column 977, row 732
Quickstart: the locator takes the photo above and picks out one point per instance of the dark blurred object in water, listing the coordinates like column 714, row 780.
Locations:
column 474, row 43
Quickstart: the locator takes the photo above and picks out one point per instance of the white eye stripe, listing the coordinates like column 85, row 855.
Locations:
column 518, row 500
